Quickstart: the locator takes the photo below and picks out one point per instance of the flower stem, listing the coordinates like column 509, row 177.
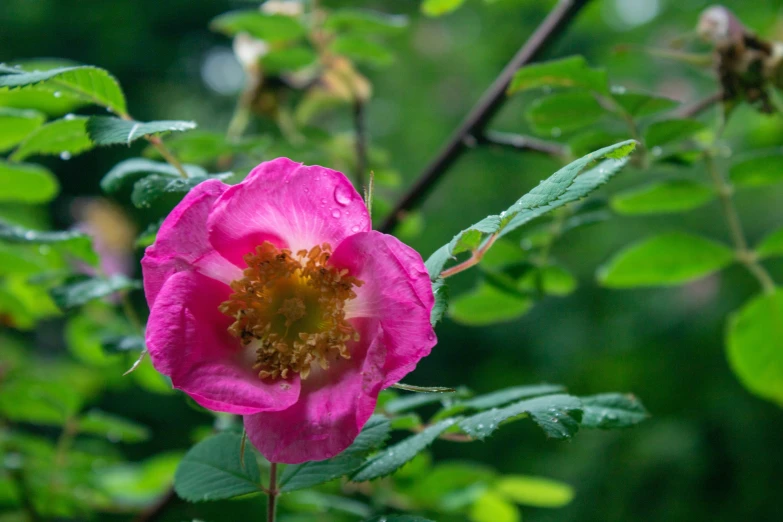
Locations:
column 744, row 255
column 272, row 493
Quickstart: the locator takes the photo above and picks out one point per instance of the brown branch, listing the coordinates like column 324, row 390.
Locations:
column 486, row 108
column 520, row 142
column 696, row 108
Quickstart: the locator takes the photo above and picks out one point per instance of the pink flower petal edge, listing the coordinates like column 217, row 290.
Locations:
column 199, row 251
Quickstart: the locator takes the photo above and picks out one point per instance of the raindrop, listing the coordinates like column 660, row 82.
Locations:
column 355, row 229
column 342, row 194
column 336, row 213
column 618, row 89
column 70, row 116
column 65, row 155
column 57, row 94
column 556, row 132
column 323, row 202
column 480, row 426
column 656, row 151
column 555, row 420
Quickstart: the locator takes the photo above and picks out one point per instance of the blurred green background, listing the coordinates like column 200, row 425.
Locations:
column 710, row 452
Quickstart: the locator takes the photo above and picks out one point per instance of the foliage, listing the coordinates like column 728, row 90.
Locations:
column 70, row 437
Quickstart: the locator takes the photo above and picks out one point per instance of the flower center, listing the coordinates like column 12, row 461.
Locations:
column 291, row 309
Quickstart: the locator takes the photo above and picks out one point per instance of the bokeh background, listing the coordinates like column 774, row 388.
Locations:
column 710, row 452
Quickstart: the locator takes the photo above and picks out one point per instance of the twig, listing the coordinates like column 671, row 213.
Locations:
column 519, row 142
column 272, row 493
column 698, row 107
column 744, row 255
column 489, row 104
column 360, row 130
column 474, row 259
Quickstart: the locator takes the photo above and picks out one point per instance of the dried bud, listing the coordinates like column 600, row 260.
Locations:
column 720, row 27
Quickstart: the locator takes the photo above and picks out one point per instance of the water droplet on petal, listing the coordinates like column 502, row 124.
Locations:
column 65, row 155
column 342, row 194
column 336, row 213
column 355, row 229
column 323, row 201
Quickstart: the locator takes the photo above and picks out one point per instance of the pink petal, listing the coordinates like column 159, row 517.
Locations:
column 188, row 340
column 397, row 291
column 289, row 205
column 333, row 406
column 182, row 243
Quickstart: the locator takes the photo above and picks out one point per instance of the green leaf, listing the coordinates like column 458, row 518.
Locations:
column 398, row 518
column 488, row 304
column 263, row 26
column 363, row 50
column 638, row 105
column 148, row 190
column 76, row 294
column 310, row 474
column 441, row 293
column 114, row 428
column 662, row 198
column 502, row 397
column 771, row 245
column 553, row 280
column 563, row 112
column 27, row 183
column 88, row 83
column 364, row 21
column 393, row 457
column 492, row 507
column 559, row 189
column 558, row 415
column 567, row 72
column 66, row 137
column 667, row 131
column 288, row 59
column 204, row 147
column 105, row 130
column 75, row 244
column 534, row 491
column 131, row 170
column 665, row 260
column 41, row 98
column 440, row 7
column 16, row 125
column 612, row 410
column 759, row 171
column 416, row 400
column 754, row 342
column 213, row 470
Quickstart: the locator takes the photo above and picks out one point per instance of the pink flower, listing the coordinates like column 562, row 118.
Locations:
column 274, row 299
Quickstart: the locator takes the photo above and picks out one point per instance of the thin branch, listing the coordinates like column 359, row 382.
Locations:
column 272, row 493
column 744, row 255
column 473, row 260
column 520, row 142
column 696, row 108
column 360, row 131
column 484, row 110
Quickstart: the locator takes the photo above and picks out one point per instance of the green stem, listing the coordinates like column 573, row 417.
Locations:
column 744, row 255
column 241, row 117
column 167, row 155
column 272, row 493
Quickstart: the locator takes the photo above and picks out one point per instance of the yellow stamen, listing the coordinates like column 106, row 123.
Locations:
column 292, row 306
